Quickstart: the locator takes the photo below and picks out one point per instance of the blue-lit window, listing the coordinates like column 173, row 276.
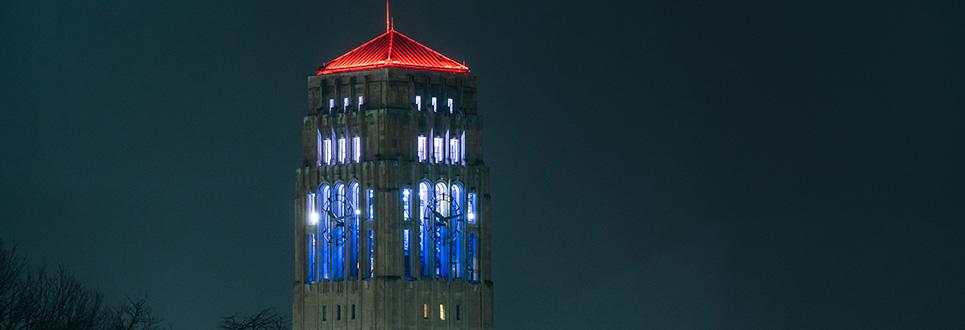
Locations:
column 406, row 204
column 371, row 270
column 370, row 201
column 473, row 258
column 311, row 247
column 361, row 99
column 418, row 103
column 458, row 211
column 441, row 233
column 345, row 104
column 425, row 230
column 324, row 231
column 405, row 254
column 354, row 224
column 433, row 104
column 472, row 215
column 331, row 105
column 462, row 151
column 338, row 239
column 449, row 103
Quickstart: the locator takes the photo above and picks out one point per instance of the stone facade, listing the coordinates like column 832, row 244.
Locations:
column 388, row 124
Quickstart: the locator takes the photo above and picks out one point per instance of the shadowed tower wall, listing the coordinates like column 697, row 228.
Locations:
column 392, row 204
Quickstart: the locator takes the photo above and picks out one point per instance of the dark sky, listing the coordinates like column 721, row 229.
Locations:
column 673, row 164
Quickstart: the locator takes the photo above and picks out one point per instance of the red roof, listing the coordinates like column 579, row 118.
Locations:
column 392, row 50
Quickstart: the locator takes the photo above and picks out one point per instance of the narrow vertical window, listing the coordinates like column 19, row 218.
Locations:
column 341, row 150
column 371, row 253
column 311, row 246
column 457, row 312
column 442, row 312
column 353, row 311
column 318, row 146
column 473, row 258
column 425, row 228
column 327, row 151
column 353, row 219
column 449, row 103
column 418, row 103
column 331, row 105
column 458, row 209
column 425, row 311
column 437, row 148
column 324, row 313
column 370, row 202
column 406, row 204
column 454, row 151
column 405, row 254
column 442, row 200
column 361, row 101
column 422, row 148
column 433, row 104
column 311, row 249
column 345, row 104
column 338, row 311
column 338, row 237
column 462, row 155
column 471, row 208
column 324, row 234
column 357, row 149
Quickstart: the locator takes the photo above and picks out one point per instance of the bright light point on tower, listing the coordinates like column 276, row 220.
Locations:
column 313, row 218
column 357, row 212
column 471, row 216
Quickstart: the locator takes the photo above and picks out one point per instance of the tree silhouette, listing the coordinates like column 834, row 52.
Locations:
column 43, row 300
column 266, row 319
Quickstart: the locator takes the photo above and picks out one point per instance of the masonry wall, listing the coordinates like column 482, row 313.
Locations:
column 388, row 123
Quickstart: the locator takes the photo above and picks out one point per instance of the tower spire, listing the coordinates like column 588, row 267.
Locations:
column 387, row 26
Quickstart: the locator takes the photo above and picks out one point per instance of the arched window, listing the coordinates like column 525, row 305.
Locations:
column 425, row 228
column 352, row 221
column 338, row 239
column 324, row 231
column 458, row 212
column 441, row 233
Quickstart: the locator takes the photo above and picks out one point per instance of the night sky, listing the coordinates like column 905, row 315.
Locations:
column 674, row 164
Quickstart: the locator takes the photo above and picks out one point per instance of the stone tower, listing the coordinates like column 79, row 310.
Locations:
column 392, row 201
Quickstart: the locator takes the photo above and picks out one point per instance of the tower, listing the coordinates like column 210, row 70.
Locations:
column 392, row 201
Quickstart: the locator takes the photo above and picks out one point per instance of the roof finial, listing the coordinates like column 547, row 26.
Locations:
column 387, row 26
